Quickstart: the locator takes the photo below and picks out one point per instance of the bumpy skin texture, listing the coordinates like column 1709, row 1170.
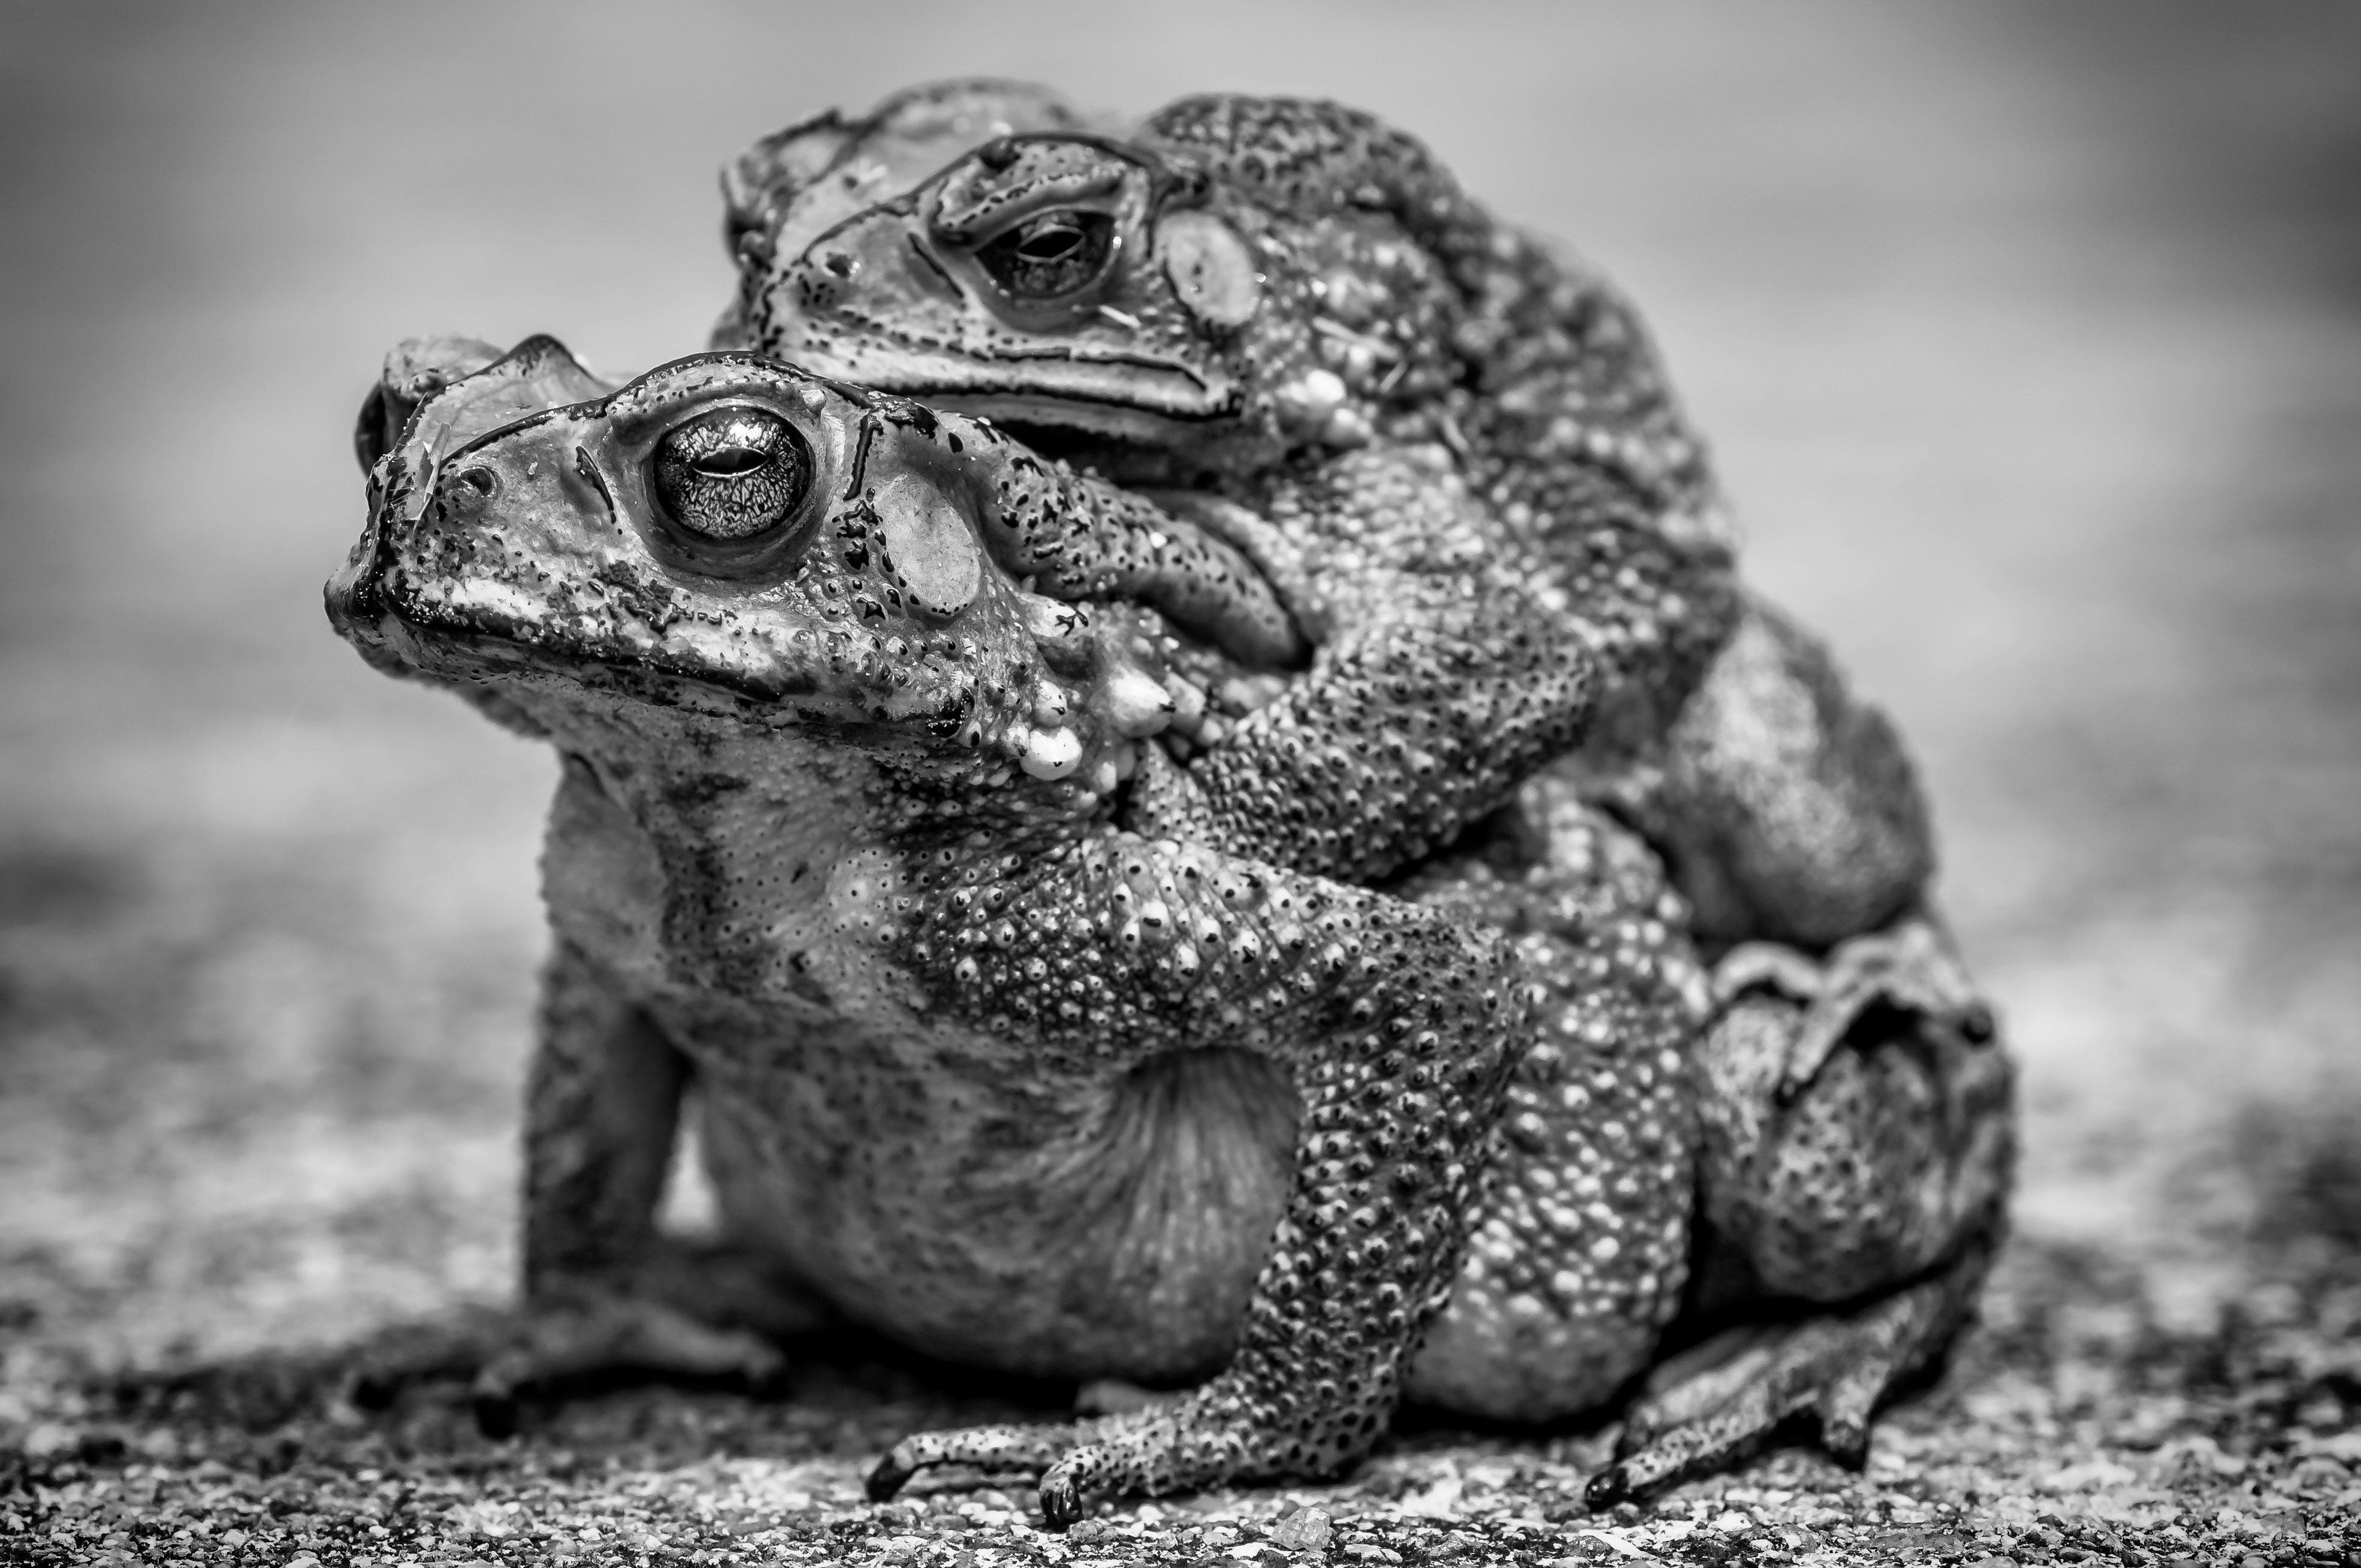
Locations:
column 1580, row 1247
column 972, row 1061
column 1840, row 1189
column 1448, row 689
column 1277, row 282
column 1270, row 291
column 1277, row 345
column 836, row 167
column 1442, row 674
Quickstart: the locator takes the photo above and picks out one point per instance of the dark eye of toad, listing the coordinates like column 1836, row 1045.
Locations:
column 732, row 474
column 1050, row 253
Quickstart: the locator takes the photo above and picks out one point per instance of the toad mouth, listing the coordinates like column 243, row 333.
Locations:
column 1099, row 388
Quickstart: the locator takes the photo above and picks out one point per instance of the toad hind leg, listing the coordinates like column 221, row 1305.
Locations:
column 1787, row 806
column 604, row 1292
column 1398, row 1026
column 1878, row 1183
column 1579, row 1254
column 1841, row 1161
column 1838, row 1369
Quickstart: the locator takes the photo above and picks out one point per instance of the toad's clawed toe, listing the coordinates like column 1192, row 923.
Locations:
column 1175, row 1445
column 590, row 1336
column 1911, row 972
column 1021, row 1450
column 413, row 1356
column 586, row 1341
column 1728, row 1396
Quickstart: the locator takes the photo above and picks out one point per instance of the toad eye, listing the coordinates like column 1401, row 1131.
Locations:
column 1050, row 253
column 732, row 474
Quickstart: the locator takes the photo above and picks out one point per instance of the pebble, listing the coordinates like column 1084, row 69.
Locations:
column 1306, row 1529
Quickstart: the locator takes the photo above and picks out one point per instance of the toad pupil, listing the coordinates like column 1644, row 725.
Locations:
column 1052, row 254
column 731, row 473
column 729, row 461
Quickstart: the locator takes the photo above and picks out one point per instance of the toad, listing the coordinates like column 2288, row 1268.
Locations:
column 974, row 1066
column 835, row 851
column 1246, row 295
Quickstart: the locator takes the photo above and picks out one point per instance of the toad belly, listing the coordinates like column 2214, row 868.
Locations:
column 1061, row 1229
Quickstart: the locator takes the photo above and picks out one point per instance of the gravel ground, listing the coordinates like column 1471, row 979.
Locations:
column 2031, row 338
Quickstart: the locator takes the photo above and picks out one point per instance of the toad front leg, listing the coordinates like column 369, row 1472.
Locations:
column 605, row 1293
column 1440, row 682
column 1450, row 664
column 1397, row 1026
column 1404, row 733
column 604, row 1290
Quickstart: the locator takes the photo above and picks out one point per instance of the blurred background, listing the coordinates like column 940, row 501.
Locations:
column 2029, row 337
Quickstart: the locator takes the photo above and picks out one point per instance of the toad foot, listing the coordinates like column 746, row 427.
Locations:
column 1714, row 1405
column 1169, row 1446
column 1911, row 967
column 582, row 1329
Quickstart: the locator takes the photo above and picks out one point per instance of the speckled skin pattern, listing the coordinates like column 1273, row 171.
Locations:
column 1271, row 292
column 1580, row 1249
column 975, row 1065
column 1445, row 663
column 1292, row 286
